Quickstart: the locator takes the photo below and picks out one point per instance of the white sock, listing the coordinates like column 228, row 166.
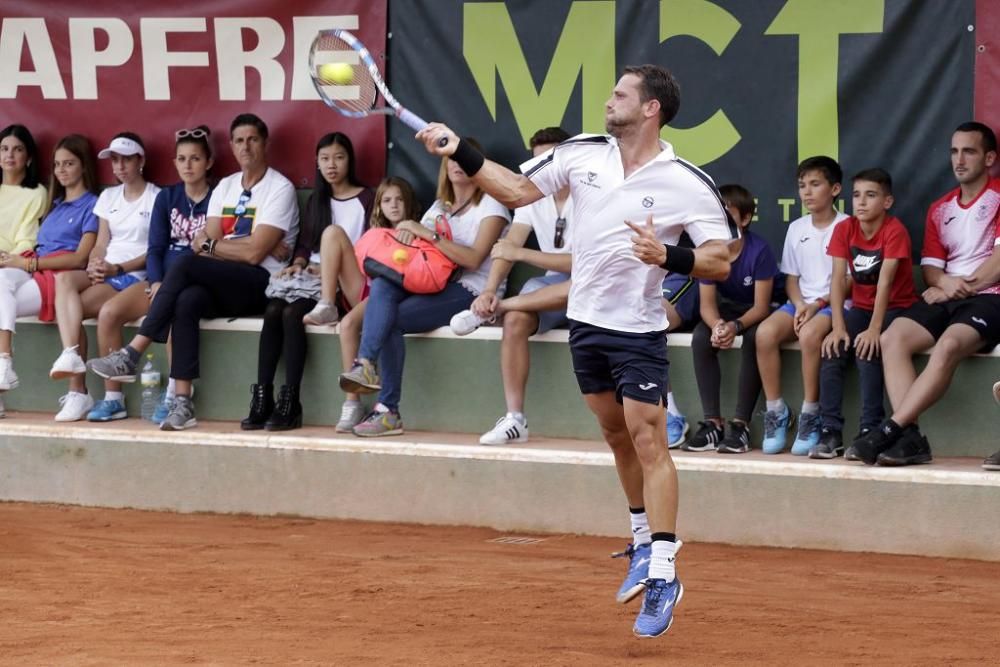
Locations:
column 380, row 408
column 777, row 405
column 661, row 562
column 171, row 388
column 640, row 527
column 672, row 405
column 809, row 408
column 518, row 417
column 114, row 396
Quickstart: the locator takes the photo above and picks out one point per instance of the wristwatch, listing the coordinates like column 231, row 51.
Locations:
column 206, row 245
column 739, row 327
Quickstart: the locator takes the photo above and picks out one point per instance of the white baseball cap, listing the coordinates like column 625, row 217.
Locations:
column 122, row 146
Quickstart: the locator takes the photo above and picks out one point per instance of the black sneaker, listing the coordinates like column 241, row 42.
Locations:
column 992, row 462
column 737, row 440
column 708, row 436
column 830, row 445
column 910, row 449
column 852, row 454
column 869, row 446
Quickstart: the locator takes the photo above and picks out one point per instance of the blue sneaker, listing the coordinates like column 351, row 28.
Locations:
column 657, row 613
column 677, row 430
column 808, row 436
column 106, row 411
column 776, row 427
column 162, row 409
column 638, row 571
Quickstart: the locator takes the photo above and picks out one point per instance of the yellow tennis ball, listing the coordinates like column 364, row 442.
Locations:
column 339, row 73
column 399, row 255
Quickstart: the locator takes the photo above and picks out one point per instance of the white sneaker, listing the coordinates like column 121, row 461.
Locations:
column 351, row 414
column 507, row 430
column 8, row 378
column 75, row 406
column 68, row 363
column 3, row 409
column 465, row 322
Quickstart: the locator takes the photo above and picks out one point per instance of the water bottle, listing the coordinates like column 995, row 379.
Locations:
column 150, row 380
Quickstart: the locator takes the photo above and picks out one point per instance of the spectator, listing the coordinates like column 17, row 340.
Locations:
column 65, row 239
column 730, row 308
column 116, row 266
column 22, row 203
column 876, row 248
column 959, row 312
column 476, row 220
column 551, row 219
column 806, row 315
column 179, row 212
column 338, row 202
column 252, row 226
column 395, row 202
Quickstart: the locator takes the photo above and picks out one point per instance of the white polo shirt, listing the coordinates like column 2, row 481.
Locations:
column 612, row 288
column 541, row 216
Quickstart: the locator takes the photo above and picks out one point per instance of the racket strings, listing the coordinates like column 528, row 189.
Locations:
column 340, row 93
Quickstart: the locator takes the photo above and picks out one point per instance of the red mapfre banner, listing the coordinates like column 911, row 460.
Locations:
column 987, row 98
column 102, row 67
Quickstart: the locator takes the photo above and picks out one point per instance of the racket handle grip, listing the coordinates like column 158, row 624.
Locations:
column 417, row 123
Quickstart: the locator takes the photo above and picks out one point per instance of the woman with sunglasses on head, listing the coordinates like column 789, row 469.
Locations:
column 475, row 221
column 339, row 204
column 65, row 240
column 253, row 221
column 115, row 266
column 179, row 212
column 394, row 203
column 22, row 203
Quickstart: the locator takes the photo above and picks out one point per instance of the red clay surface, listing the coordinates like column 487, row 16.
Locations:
column 81, row 586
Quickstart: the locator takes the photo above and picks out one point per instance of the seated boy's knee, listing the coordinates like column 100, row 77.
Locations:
column 520, row 323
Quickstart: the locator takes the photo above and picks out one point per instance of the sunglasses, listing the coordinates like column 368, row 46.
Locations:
column 196, row 133
column 559, row 241
column 241, row 205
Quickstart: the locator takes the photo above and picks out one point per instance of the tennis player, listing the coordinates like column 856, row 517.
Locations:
column 634, row 198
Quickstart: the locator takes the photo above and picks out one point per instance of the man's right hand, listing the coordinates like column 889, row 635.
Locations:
column 955, row 287
column 431, row 135
column 485, row 304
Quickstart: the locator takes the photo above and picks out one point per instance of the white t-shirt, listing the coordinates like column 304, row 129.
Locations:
column 272, row 202
column 804, row 255
column 464, row 229
column 611, row 287
column 541, row 216
column 128, row 222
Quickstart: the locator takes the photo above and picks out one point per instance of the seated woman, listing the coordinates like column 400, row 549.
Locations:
column 22, row 203
column 65, row 239
column 337, row 198
column 115, row 267
column 476, row 222
column 395, row 202
column 179, row 212
column 252, row 221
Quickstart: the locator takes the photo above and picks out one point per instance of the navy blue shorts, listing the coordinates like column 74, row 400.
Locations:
column 629, row 364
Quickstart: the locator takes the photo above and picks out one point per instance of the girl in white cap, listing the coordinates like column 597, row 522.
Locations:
column 117, row 264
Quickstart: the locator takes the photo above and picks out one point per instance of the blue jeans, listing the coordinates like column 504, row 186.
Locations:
column 831, row 376
column 392, row 312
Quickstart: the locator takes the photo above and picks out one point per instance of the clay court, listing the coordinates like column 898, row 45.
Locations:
column 81, row 586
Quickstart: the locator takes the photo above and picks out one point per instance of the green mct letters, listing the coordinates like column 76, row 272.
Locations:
column 586, row 49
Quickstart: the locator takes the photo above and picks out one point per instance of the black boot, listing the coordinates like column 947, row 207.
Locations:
column 287, row 412
column 261, row 407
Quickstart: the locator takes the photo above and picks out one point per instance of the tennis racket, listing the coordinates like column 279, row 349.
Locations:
column 355, row 96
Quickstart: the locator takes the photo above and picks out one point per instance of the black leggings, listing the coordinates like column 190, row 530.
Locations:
column 195, row 287
column 709, row 375
column 283, row 330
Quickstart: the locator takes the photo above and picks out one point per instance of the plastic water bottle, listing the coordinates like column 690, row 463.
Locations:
column 150, row 380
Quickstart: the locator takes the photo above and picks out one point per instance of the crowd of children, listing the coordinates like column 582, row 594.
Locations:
column 845, row 288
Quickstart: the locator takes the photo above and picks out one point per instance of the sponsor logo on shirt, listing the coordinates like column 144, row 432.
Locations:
column 949, row 220
column 866, row 265
column 647, row 202
column 748, row 281
column 589, row 181
column 803, row 239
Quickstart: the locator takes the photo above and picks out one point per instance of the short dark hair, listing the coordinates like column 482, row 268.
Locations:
column 548, row 135
column 248, row 119
column 823, row 164
column 659, row 84
column 989, row 138
column 876, row 175
column 738, row 196
column 22, row 134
